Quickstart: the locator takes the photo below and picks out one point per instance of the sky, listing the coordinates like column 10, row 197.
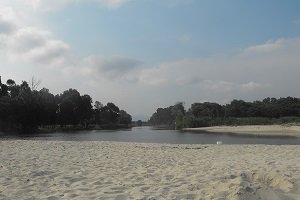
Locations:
column 146, row 54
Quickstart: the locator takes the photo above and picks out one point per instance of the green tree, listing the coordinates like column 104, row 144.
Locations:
column 124, row 118
column 68, row 107
column 110, row 113
column 85, row 110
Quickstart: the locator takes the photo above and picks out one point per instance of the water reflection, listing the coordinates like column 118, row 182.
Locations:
column 148, row 135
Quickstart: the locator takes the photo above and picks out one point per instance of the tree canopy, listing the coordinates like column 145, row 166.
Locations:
column 238, row 112
column 25, row 109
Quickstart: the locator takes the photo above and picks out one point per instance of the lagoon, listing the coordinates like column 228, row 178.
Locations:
column 150, row 135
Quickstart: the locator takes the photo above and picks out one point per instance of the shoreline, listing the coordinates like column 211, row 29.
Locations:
column 120, row 170
column 255, row 130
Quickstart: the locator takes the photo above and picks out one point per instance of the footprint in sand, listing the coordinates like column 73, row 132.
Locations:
column 254, row 186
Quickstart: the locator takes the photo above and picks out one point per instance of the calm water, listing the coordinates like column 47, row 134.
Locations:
column 147, row 135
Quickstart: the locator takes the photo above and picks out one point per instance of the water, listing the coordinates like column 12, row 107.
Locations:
column 148, row 135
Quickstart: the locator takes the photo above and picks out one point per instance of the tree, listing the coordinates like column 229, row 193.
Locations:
column 162, row 117
column 26, row 109
column 178, row 113
column 110, row 113
column 125, row 118
column 168, row 117
column 10, row 82
column 48, row 107
column 139, row 123
column 3, row 90
column 34, row 84
column 85, row 110
column 207, row 109
column 98, row 105
column 68, row 107
column 97, row 112
column 238, row 108
column 23, row 108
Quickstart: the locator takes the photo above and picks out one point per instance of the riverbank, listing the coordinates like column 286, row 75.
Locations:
column 262, row 130
column 69, row 128
column 89, row 170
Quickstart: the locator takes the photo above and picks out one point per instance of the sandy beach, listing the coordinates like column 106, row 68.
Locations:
column 110, row 170
column 263, row 130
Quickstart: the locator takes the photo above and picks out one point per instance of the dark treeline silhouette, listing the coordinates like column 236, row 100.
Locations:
column 25, row 109
column 238, row 112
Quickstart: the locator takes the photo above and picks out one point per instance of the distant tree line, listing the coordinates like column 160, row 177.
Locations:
column 23, row 108
column 238, row 112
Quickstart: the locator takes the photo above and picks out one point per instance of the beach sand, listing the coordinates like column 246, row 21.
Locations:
column 111, row 170
column 263, row 130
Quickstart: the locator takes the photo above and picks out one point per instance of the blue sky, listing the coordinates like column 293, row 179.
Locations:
column 151, row 30
column 144, row 54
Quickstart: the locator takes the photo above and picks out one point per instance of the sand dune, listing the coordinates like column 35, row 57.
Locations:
column 263, row 130
column 109, row 170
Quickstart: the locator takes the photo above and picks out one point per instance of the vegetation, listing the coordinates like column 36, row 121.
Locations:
column 24, row 109
column 140, row 123
column 238, row 112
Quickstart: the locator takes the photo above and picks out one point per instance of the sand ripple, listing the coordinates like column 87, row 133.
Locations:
column 105, row 170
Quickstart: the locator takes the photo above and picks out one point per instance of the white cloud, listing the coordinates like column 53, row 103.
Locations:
column 8, row 20
column 152, row 77
column 6, row 26
column 227, row 86
column 250, row 86
column 37, row 46
column 266, row 47
column 219, row 85
column 268, row 69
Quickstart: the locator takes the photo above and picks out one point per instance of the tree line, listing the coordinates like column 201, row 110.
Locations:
column 237, row 112
column 26, row 109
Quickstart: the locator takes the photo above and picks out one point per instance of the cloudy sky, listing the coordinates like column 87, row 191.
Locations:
column 145, row 54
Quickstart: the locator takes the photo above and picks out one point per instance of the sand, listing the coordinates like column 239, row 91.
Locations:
column 263, row 130
column 110, row 170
